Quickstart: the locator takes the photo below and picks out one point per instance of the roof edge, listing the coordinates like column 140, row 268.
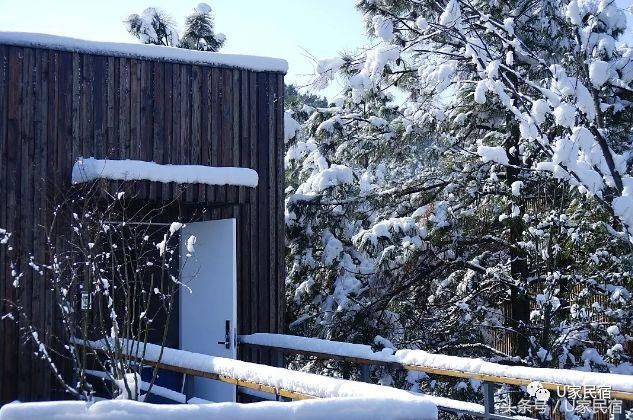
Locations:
column 144, row 51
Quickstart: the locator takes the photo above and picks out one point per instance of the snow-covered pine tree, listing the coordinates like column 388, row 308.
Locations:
column 495, row 200
column 199, row 33
column 297, row 101
column 154, row 26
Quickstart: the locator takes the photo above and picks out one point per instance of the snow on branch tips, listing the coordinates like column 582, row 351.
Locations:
column 90, row 169
column 290, row 126
column 493, row 154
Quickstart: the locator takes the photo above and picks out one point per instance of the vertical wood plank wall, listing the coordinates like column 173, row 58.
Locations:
column 56, row 106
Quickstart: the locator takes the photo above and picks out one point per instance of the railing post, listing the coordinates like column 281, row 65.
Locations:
column 364, row 373
column 622, row 414
column 489, row 398
column 278, row 359
column 183, row 387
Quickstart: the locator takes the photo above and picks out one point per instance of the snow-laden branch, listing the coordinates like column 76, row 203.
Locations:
column 559, row 104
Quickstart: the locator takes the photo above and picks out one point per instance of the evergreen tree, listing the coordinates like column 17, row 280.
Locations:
column 199, row 33
column 494, row 200
column 297, row 102
column 154, row 26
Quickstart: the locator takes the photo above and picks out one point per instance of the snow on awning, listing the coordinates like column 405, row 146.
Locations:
column 86, row 170
column 155, row 52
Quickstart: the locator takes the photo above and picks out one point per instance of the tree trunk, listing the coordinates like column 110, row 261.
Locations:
column 519, row 305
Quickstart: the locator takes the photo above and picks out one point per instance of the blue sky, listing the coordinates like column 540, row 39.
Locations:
column 289, row 29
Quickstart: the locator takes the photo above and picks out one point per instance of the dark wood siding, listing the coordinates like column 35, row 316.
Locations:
column 56, row 106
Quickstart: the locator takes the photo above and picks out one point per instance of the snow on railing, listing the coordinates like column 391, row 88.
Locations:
column 90, row 169
column 284, row 382
column 418, row 360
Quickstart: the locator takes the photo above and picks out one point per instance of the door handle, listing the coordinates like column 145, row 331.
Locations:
column 227, row 335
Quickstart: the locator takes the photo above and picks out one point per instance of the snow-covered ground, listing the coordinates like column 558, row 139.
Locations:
column 331, row 408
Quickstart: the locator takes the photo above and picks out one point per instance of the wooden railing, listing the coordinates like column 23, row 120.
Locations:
column 489, row 381
column 277, row 381
column 187, row 371
column 280, row 392
column 324, row 349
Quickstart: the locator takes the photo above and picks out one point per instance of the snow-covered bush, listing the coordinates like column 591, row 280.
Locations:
column 114, row 279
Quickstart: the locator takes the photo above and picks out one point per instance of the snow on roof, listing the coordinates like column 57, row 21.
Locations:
column 86, row 170
column 156, row 52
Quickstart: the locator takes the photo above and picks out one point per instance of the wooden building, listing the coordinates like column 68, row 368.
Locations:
column 62, row 99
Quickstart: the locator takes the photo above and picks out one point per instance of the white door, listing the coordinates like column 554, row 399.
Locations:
column 208, row 310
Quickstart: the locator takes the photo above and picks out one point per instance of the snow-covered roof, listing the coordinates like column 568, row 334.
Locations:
column 154, row 52
column 89, row 169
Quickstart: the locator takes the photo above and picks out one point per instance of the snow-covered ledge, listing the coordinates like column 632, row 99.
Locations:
column 385, row 408
column 155, row 52
column 90, row 169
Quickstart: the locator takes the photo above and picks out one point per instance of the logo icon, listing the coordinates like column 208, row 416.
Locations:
column 535, row 389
